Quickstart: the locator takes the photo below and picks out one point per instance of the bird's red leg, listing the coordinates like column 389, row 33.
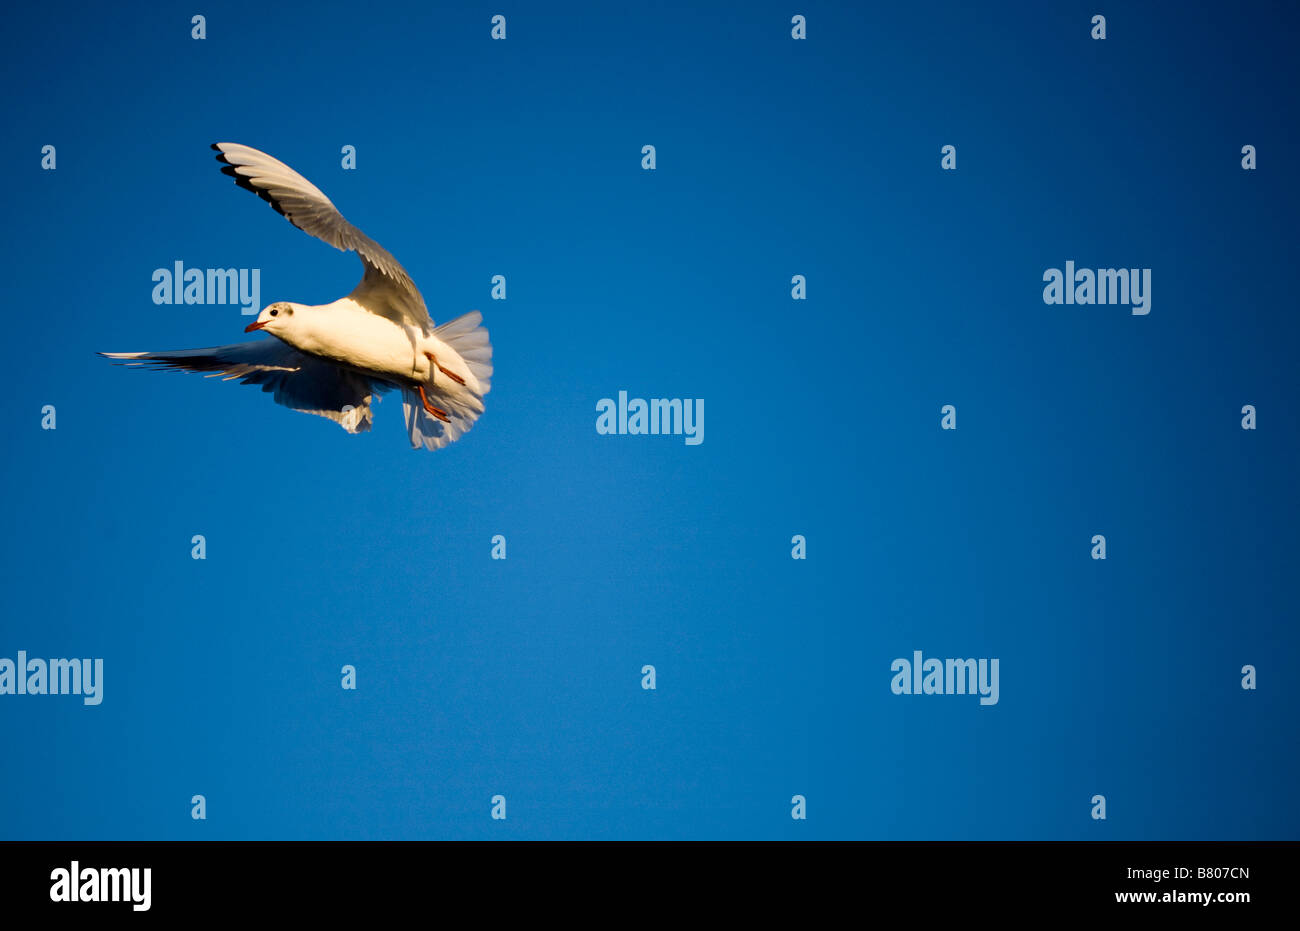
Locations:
column 435, row 411
column 452, row 375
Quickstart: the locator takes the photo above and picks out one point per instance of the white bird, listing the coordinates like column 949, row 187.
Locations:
column 332, row 359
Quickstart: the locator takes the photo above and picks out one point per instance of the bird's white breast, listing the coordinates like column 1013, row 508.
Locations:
column 347, row 333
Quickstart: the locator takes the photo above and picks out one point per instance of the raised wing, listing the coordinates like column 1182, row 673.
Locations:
column 298, row 381
column 386, row 289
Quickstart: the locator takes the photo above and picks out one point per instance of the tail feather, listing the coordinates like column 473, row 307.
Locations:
column 467, row 335
column 426, row 430
column 469, row 338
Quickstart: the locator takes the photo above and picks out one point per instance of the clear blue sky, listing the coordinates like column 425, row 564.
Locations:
column 522, row 677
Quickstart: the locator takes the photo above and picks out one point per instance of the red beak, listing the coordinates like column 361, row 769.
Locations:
column 257, row 325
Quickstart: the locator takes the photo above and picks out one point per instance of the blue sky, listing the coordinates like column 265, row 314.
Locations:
column 522, row 677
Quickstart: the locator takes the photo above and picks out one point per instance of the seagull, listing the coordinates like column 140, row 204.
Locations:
column 333, row 359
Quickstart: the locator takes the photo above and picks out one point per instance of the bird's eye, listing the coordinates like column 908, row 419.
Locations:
column 274, row 312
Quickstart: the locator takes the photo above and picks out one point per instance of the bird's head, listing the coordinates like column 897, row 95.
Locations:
column 274, row 318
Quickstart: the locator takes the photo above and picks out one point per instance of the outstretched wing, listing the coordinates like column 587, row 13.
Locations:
column 386, row 289
column 296, row 380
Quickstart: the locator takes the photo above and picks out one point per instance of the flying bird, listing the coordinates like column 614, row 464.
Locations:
column 333, row 359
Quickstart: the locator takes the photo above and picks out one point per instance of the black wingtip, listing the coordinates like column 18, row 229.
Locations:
column 228, row 169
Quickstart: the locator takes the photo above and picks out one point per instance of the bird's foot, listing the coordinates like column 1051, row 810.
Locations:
column 428, row 406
